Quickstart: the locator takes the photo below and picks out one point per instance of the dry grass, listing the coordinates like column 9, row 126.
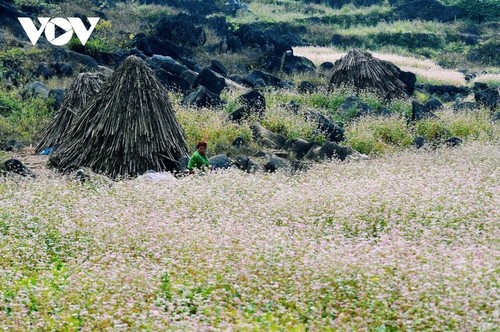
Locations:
column 423, row 68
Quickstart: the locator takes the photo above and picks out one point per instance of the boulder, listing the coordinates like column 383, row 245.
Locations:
column 433, row 104
column 252, row 36
column 202, row 97
column 409, row 79
column 181, row 32
column 173, row 81
column 333, row 132
column 54, row 157
column 419, row 142
column 57, row 95
column 239, row 142
column 13, row 146
column 267, row 137
column 82, row 59
column 453, row 141
column 44, row 70
column 419, row 111
column 151, row 45
column 326, row 66
column 253, row 101
column 470, row 39
column 190, row 63
column 313, row 153
column 306, row 87
column 489, row 97
column 81, row 175
column 275, row 163
column 36, row 88
column 190, row 76
column 211, row 80
column 165, row 62
column 346, row 41
column 173, row 67
column 247, row 164
column 219, row 68
column 299, row 147
column 496, row 116
column 182, row 164
column 353, row 107
column 465, row 106
column 63, row 69
column 220, row 161
column 333, row 150
column 478, row 86
column 446, row 98
column 8, row 18
column 487, row 53
column 439, row 90
column 269, row 80
column 289, row 63
column 121, row 55
column 14, row 76
column 15, row 166
column 238, row 114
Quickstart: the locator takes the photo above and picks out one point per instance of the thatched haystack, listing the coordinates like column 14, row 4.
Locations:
column 128, row 129
column 82, row 90
column 362, row 71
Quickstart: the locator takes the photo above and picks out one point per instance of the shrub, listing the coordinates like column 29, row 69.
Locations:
column 211, row 126
column 23, row 120
column 290, row 125
column 480, row 10
column 469, row 125
column 432, row 129
column 8, row 104
column 378, row 135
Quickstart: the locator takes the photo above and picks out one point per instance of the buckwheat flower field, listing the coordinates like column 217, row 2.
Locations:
column 401, row 242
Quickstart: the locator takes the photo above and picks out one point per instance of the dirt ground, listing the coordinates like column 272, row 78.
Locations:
column 36, row 163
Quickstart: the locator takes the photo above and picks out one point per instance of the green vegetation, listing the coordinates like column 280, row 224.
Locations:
column 472, row 125
column 478, row 10
column 377, row 135
column 380, row 135
column 23, row 119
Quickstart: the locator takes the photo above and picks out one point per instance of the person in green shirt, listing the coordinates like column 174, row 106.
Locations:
column 199, row 159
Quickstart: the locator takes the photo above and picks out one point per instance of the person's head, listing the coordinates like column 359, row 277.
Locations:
column 201, row 147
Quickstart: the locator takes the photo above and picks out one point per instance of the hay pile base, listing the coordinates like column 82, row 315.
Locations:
column 128, row 129
column 360, row 70
column 82, row 90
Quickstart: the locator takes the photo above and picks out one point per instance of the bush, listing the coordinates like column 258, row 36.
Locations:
column 432, row 129
column 480, row 10
column 290, row 125
column 378, row 135
column 211, row 126
column 23, row 120
column 8, row 104
column 474, row 125
column 469, row 125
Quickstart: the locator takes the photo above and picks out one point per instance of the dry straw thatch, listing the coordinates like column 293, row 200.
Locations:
column 82, row 90
column 362, row 71
column 128, row 129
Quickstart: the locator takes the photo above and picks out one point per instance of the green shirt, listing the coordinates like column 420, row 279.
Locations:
column 198, row 161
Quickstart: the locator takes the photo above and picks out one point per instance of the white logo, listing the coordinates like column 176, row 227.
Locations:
column 70, row 25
